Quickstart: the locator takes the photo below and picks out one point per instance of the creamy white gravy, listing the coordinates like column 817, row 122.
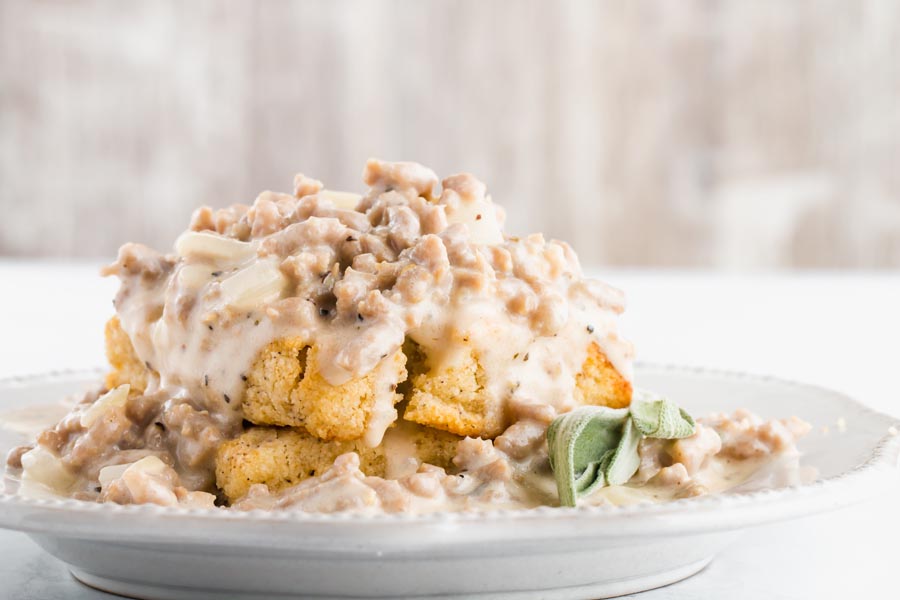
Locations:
column 357, row 281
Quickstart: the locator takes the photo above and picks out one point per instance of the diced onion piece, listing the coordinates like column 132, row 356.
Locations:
column 42, row 466
column 345, row 200
column 194, row 276
column 111, row 473
column 198, row 500
column 151, row 465
column 211, row 245
column 260, row 283
column 108, row 401
column 481, row 220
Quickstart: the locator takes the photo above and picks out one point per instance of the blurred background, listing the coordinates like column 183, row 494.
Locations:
column 733, row 135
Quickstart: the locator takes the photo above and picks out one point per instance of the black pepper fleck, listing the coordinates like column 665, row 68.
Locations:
column 206, row 380
column 590, row 329
column 216, row 273
column 359, row 317
column 526, row 357
column 350, row 238
column 227, row 399
column 210, row 327
column 243, row 377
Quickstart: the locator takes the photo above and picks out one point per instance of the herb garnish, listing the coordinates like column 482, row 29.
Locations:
column 594, row 446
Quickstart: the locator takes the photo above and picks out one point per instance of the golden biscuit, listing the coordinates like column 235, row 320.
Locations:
column 599, row 383
column 454, row 398
column 282, row 457
column 126, row 366
column 285, row 388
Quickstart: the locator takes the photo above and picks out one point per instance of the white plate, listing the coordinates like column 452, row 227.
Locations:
column 166, row 553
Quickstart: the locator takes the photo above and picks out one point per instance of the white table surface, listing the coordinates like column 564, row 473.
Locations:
column 838, row 331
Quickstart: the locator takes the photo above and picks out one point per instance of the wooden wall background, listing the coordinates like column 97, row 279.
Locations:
column 691, row 133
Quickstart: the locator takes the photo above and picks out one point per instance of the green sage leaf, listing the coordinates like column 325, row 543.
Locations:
column 625, row 461
column 594, row 446
column 658, row 417
column 579, row 441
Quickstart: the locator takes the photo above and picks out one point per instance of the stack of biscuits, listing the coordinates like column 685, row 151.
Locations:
column 296, row 423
